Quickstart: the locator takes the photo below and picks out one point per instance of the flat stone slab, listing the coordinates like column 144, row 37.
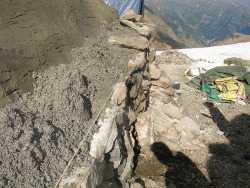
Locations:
column 139, row 43
column 143, row 30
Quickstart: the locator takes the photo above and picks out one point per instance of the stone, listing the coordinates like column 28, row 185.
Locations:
column 150, row 183
column 127, row 172
column 167, row 91
column 138, row 43
column 160, row 96
column 94, row 176
column 142, row 107
column 130, row 15
column 142, row 129
column 220, row 132
column 143, row 30
column 139, row 18
column 146, row 74
column 140, row 98
column 116, row 153
column 136, row 185
column 188, row 125
column 152, row 52
column 146, row 84
column 119, row 93
column 162, row 82
column 172, row 111
column 138, row 61
column 134, row 91
column 155, row 73
column 131, row 116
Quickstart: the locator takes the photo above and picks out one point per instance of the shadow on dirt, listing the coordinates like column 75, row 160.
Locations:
column 228, row 166
column 181, row 171
column 230, row 160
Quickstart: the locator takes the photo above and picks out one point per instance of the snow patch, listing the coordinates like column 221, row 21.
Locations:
column 217, row 54
column 102, row 141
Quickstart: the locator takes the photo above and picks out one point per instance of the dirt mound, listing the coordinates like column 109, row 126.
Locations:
column 173, row 56
column 35, row 35
column 40, row 132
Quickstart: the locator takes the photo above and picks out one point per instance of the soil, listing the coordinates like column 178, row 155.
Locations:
column 42, row 129
column 217, row 157
column 35, row 35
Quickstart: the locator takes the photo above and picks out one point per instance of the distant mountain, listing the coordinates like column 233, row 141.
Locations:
column 205, row 21
column 240, row 2
column 165, row 34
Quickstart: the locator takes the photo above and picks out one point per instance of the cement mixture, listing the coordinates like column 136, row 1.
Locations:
column 42, row 129
column 35, row 35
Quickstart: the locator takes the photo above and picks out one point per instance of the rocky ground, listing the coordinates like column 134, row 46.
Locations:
column 193, row 143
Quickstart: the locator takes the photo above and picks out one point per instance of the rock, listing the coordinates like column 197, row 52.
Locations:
column 139, row 43
column 136, row 185
column 142, row 107
column 154, row 72
column 173, row 57
column 130, row 15
column 131, row 116
column 144, row 30
column 160, row 96
column 172, row 111
column 142, row 129
column 139, row 18
column 119, row 94
column 94, row 175
column 138, row 61
column 134, row 91
column 162, row 82
column 116, row 152
column 127, row 172
column 188, row 125
column 220, row 132
column 146, row 84
column 150, row 183
column 151, row 55
column 167, row 91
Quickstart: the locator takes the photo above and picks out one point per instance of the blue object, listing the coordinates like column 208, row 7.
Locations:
column 122, row 6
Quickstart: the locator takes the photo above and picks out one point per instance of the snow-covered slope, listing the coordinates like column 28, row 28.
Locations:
column 217, row 54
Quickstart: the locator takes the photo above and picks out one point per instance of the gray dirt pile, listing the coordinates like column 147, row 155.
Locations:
column 41, row 130
column 35, row 35
column 173, row 56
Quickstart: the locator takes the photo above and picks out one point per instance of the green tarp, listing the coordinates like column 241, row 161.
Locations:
column 206, row 80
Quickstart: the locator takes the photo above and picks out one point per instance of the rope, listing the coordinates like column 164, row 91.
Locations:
column 84, row 138
column 88, row 131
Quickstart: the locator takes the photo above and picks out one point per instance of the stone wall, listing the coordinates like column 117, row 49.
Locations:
column 114, row 147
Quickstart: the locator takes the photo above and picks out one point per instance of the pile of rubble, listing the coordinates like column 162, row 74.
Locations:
column 173, row 56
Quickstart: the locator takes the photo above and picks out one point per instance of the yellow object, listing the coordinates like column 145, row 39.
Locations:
column 231, row 89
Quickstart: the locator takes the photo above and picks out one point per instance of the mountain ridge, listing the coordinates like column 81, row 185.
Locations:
column 206, row 22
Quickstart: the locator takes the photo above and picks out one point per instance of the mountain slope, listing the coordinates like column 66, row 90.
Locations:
column 205, row 21
column 164, row 33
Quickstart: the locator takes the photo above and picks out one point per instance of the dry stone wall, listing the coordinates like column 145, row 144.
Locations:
column 114, row 146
